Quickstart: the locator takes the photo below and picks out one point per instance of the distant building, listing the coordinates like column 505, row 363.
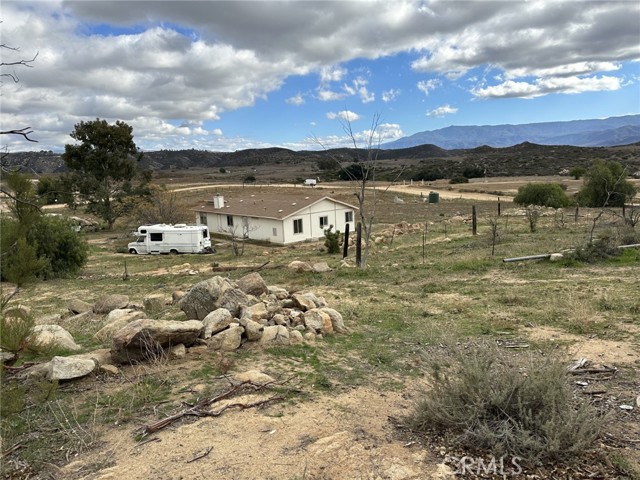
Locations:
column 274, row 218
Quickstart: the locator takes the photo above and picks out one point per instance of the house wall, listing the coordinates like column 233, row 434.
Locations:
column 263, row 228
column 258, row 228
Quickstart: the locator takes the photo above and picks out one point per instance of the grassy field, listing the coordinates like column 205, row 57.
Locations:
column 429, row 284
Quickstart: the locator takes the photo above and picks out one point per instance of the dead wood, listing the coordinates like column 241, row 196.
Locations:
column 580, row 371
column 201, row 455
column 200, row 409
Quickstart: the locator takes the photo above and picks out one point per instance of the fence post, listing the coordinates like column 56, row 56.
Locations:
column 359, row 244
column 345, row 247
column 474, row 221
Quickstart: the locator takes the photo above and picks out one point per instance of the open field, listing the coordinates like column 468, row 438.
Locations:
column 430, row 286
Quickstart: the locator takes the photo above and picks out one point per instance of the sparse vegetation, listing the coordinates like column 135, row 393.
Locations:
column 486, row 401
column 543, row 194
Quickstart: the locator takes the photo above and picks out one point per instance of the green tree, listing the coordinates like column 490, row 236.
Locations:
column 577, row 172
column 103, row 166
column 542, row 194
column 606, row 185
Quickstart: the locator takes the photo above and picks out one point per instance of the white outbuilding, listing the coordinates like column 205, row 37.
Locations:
column 278, row 219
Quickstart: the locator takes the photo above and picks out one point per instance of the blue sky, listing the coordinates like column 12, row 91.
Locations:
column 226, row 76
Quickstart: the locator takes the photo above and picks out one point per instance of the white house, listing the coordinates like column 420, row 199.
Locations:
column 278, row 219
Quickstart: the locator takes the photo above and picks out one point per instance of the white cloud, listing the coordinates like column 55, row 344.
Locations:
column 442, row 111
column 390, row 95
column 297, row 100
column 330, row 95
column 344, row 115
column 545, row 86
column 426, row 86
column 332, row 74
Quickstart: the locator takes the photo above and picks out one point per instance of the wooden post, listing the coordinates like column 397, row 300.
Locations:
column 345, row 248
column 575, row 218
column 498, row 206
column 474, row 221
column 424, row 243
column 358, row 244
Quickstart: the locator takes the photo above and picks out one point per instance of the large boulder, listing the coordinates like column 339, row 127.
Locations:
column 216, row 321
column 55, row 336
column 203, row 297
column 254, row 312
column 77, row 306
column 145, row 338
column 336, row 319
column 318, row 321
column 110, row 302
column 116, row 320
column 68, row 368
column 274, row 336
column 303, row 301
column 299, row 267
column 228, row 340
column 253, row 330
column 234, row 299
column 253, row 284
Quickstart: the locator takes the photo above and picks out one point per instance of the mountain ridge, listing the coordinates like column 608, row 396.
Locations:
column 607, row 132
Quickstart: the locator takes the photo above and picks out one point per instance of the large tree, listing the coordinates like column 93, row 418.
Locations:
column 103, row 166
column 606, row 185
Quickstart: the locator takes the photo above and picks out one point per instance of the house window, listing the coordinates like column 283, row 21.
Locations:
column 203, row 219
column 324, row 222
column 155, row 237
column 229, row 220
column 297, row 225
column 348, row 217
column 275, row 232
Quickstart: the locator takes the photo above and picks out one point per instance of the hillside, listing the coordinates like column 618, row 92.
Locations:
column 522, row 159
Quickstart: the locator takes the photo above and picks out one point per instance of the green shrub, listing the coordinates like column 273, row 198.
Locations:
column 20, row 261
column 577, row 172
column 459, row 179
column 332, row 240
column 543, row 194
column 474, row 171
column 64, row 250
column 487, row 402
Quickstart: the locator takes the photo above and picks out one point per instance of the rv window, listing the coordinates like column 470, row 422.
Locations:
column 155, row 237
column 205, row 233
column 143, row 231
column 140, row 239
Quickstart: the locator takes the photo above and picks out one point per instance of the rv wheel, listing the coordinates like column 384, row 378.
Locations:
column 133, row 250
column 173, row 251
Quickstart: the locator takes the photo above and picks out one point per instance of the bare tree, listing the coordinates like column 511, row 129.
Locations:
column 363, row 174
column 12, row 64
column 238, row 235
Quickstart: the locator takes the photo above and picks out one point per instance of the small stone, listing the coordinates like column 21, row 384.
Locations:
column 109, row 369
column 177, row 351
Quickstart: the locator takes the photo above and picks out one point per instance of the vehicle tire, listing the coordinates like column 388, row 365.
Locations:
column 173, row 251
column 133, row 250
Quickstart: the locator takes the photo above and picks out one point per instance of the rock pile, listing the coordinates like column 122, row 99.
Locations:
column 220, row 314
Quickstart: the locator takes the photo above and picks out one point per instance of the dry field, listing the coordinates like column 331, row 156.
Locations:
column 430, row 285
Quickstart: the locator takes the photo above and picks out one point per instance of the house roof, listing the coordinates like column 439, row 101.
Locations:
column 262, row 205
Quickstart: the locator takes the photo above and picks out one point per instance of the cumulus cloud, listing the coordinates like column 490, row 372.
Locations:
column 196, row 61
column 442, row 111
column 297, row 100
column 545, row 86
column 390, row 95
column 344, row 115
column 426, row 86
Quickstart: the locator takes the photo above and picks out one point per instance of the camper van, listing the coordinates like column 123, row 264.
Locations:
column 179, row 238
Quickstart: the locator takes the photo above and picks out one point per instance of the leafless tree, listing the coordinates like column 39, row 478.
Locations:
column 12, row 74
column 364, row 177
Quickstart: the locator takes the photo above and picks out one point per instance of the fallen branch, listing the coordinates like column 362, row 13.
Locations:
column 200, row 408
column 202, row 455
column 580, row 371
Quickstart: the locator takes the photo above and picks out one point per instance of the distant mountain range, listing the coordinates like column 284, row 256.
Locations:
column 606, row 132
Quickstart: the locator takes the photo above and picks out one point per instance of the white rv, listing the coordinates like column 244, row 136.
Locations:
column 179, row 238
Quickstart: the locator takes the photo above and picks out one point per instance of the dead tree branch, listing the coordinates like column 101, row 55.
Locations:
column 25, row 132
